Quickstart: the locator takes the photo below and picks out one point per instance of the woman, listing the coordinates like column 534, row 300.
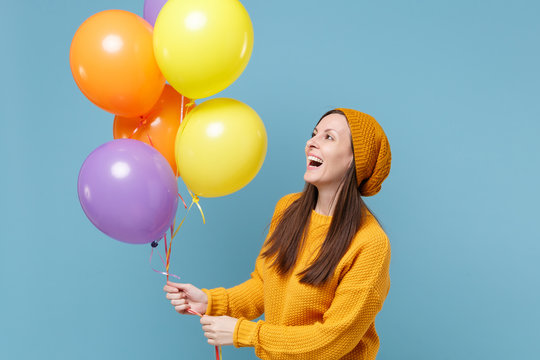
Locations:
column 323, row 272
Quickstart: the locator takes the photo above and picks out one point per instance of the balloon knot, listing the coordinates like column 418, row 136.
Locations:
column 154, row 244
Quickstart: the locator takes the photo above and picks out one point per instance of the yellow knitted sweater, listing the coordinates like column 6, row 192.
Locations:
column 332, row 321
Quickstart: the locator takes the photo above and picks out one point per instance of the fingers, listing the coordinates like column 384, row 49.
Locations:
column 212, row 333
column 178, row 294
column 207, row 320
column 219, row 330
column 182, row 309
column 178, row 302
column 175, row 296
column 168, row 288
column 178, row 286
column 208, row 328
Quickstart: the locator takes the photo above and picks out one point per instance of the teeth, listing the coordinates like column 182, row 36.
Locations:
column 314, row 158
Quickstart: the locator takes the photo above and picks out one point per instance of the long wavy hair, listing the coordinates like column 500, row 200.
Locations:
column 287, row 239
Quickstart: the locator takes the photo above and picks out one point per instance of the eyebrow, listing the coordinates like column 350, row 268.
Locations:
column 327, row 130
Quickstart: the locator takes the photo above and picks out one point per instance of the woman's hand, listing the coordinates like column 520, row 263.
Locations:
column 185, row 297
column 218, row 329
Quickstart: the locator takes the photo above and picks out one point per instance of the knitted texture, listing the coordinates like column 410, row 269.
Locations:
column 332, row 321
column 371, row 151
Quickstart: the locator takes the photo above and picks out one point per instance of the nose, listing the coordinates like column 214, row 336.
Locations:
column 312, row 143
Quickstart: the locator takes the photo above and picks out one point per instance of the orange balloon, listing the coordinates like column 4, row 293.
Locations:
column 112, row 61
column 158, row 128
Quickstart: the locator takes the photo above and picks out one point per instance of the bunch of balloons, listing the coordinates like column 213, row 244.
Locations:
column 121, row 62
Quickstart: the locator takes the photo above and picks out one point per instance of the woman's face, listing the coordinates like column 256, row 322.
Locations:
column 328, row 152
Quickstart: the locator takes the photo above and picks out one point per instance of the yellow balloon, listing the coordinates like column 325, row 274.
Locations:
column 202, row 46
column 220, row 147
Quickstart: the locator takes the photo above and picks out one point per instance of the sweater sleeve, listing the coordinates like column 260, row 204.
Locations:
column 357, row 300
column 244, row 300
column 247, row 299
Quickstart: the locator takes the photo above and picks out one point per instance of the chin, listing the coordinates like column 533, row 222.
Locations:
column 309, row 180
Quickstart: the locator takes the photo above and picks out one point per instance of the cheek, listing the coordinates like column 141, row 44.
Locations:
column 345, row 157
column 341, row 162
column 346, row 160
column 345, row 163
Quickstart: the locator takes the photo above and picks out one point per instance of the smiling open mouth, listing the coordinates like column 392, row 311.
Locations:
column 314, row 161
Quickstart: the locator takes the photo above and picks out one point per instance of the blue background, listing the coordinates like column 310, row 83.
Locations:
column 455, row 85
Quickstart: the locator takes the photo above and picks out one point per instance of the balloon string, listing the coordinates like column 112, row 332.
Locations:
column 167, row 252
column 168, row 248
column 190, row 103
column 165, row 238
column 181, row 222
column 181, row 119
column 142, row 122
column 182, row 115
column 169, row 256
column 218, row 348
column 182, row 110
column 150, row 140
column 181, row 198
column 161, row 272
column 161, row 257
column 191, row 311
column 195, row 199
column 173, row 234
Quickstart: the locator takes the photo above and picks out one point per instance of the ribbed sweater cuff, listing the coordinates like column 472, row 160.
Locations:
column 218, row 301
column 244, row 333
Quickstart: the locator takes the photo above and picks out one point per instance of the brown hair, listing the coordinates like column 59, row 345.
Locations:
column 289, row 234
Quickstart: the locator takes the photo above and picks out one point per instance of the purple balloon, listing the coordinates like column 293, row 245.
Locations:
column 128, row 191
column 151, row 10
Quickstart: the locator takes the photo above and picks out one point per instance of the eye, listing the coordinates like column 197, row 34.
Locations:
column 330, row 137
column 313, row 134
